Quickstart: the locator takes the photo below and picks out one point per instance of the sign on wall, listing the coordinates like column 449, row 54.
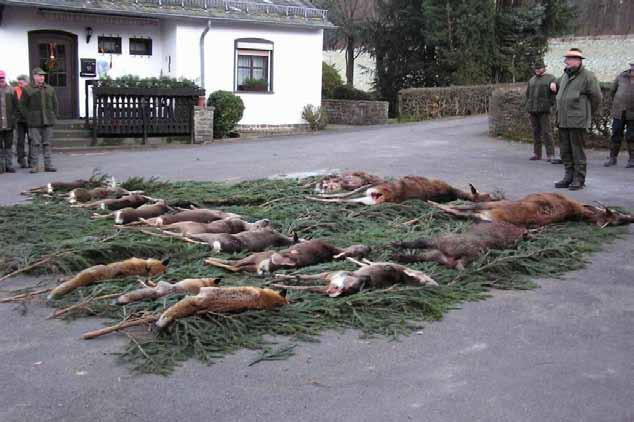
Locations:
column 88, row 67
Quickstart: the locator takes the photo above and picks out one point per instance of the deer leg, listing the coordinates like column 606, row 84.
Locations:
column 432, row 255
column 224, row 265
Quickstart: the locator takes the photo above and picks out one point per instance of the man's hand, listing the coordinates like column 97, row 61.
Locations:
column 553, row 87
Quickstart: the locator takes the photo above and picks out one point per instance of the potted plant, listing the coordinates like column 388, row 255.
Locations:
column 254, row 85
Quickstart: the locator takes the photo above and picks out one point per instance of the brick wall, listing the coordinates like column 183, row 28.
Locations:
column 353, row 112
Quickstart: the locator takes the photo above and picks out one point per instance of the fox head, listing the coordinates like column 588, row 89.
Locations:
column 483, row 196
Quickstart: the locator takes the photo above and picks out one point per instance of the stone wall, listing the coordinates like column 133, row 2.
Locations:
column 203, row 124
column 353, row 112
column 260, row 130
column 606, row 55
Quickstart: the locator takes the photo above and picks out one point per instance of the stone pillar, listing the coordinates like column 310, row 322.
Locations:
column 203, row 124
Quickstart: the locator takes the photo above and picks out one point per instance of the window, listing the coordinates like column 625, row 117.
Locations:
column 254, row 66
column 140, row 47
column 109, row 45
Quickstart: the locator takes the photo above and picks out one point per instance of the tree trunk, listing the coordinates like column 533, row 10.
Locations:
column 350, row 61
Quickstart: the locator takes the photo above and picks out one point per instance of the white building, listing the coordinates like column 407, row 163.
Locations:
column 275, row 46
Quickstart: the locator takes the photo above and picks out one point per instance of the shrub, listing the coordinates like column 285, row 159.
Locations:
column 345, row 92
column 315, row 118
column 133, row 81
column 228, row 112
column 330, row 79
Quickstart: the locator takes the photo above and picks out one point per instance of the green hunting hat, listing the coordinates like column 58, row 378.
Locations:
column 539, row 65
column 23, row 78
column 39, row 71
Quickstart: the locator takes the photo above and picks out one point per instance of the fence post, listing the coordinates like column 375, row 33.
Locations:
column 144, row 102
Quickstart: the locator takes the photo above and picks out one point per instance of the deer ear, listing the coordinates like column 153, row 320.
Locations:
column 474, row 191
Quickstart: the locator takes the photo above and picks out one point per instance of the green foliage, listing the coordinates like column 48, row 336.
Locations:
column 315, row 118
column 71, row 242
column 228, row 110
column 346, row 92
column 258, row 85
column 134, row 81
column 330, row 79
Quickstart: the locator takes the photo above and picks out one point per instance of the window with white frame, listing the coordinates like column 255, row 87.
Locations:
column 254, row 60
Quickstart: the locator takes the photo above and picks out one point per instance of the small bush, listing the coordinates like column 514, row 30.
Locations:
column 228, row 110
column 315, row 118
column 133, row 81
column 330, row 79
column 345, row 92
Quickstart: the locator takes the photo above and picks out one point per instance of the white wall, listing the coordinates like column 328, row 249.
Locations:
column 296, row 68
column 364, row 67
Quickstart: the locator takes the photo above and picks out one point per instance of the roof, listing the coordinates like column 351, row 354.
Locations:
column 284, row 12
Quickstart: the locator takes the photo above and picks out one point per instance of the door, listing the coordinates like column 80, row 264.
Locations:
column 56, row 53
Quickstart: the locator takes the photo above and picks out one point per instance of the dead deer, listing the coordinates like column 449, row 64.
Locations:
column 130, row 215
column 223, row 299
column 539, row 209
column 190, row 286
column 55, row 187
column 413, row 187
column 455, row 250
column 82, row 195
column 228, row 225
column 252, row 241
column 198, row 215
column 348, row 181
column 114, row 204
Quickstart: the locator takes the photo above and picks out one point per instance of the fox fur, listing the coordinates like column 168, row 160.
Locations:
column 220, row 300
column 190, row 286
column 199, row 215
column 228, row 225
column 252, row 241
column 129, row 215
column 347, row 181
column 98, row 273
column 539, row 209
column 455, row 250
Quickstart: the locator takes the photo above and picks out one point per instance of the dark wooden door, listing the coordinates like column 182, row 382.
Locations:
column 56, row 53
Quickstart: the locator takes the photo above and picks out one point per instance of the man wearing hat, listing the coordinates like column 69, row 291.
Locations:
column 539, row 101
column 39, row 103
column 21, row 127
column 8, row 110
column 623, row 116
column 578, row 98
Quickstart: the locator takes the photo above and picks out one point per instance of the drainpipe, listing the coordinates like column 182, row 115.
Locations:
column 202, row 54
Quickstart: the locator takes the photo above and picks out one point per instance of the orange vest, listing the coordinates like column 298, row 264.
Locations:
column 18, row 92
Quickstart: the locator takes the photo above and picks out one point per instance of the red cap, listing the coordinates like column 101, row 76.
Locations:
column 2, row 74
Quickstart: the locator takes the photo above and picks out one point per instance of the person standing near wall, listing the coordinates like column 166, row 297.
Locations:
column 578, row 98
column 539, row 101
column 622, row 116
column 8, row 110
column 21, row 126
column 39, row 103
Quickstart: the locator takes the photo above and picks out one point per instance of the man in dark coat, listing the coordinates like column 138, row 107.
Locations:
column 22, row 141
column 39, row 103
column 623, row 116
column 578, row 98
column 539, row 101
column 8, row 110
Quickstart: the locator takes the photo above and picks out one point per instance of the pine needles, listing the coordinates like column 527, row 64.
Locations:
column 65, row 241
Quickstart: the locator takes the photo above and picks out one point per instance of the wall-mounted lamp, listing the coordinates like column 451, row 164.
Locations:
column 88, row 34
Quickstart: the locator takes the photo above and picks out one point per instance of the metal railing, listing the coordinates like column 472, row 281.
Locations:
column 242, row 6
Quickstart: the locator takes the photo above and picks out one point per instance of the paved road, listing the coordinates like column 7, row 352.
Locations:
column 559, row 353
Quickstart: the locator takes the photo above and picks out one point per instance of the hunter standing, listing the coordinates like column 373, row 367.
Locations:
column 39, row 103
column 623, row 116
column 8, row 110
column 539, row 100
column 21, row 128
column 578, row 98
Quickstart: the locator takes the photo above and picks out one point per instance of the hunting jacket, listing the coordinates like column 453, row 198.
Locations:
column 539, row 97
column 578, row 98
column 623, row 93
column 39, row 104
column 8, row 108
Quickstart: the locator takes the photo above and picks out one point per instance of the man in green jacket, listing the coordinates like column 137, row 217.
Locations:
column 623, row 116
column 39, row 103
column 578, row 98
column 8, row 110
column 539, row 101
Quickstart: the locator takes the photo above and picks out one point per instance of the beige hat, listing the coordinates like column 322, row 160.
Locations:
column 574, row 52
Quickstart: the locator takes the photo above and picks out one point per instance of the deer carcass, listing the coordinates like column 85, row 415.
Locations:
column 130, row 215
column 228, row 225
column 455, row 250
column 114, row 204
column 199, row 215
column 252, row 241
column 54, row 187
column 348, row 181
column 82, row 195
column 190, row 286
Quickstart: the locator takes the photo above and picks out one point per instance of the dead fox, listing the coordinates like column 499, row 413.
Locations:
column 99, row 273
column 199, row 215
column 455, row 250
column 253, row 241
column 190, row 286
column 537, row 210
column 228, row 225
column 347, row 181
column 223, row 299
column 414, row 187
column 129, row 215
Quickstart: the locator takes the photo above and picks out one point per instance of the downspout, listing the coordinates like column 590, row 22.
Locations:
column 202, row 54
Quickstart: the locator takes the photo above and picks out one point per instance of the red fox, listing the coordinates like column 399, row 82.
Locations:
column 455, row 250
column 539, row 209
column 190, row 286
column 347, row 181
column 222, row 299
column 99, row 273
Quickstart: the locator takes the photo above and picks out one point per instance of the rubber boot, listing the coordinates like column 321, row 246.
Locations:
column 614, row 152
column 630, row 149
column 566, row 181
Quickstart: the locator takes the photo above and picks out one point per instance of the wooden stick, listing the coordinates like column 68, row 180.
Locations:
column 64, row 311
column 320, row 276
column 220, row 264
column 120, row 326
column 24, row 269
column 346, row 194
column 360, row 264
column 25, row 295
